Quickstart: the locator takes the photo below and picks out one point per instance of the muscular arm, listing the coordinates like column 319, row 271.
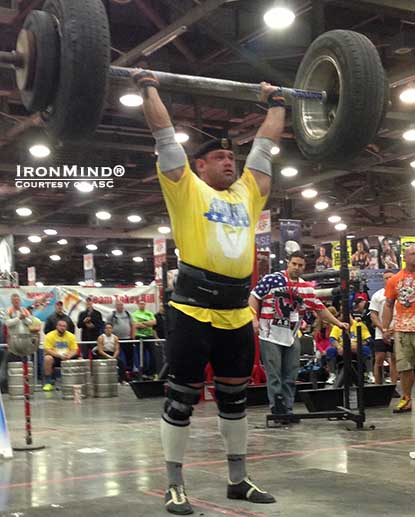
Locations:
column 387, row 315
column 374, row 316
column 327, row 316
column 158, row 118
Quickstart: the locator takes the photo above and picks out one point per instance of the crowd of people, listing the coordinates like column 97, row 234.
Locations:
column 114, row 338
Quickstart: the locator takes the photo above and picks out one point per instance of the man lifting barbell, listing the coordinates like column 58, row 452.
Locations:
column 213, row 215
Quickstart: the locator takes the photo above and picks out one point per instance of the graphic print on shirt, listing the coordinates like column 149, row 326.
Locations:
column 232, row 226
column 406, row 292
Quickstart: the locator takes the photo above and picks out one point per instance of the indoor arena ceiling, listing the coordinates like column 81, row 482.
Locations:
column 223, row 39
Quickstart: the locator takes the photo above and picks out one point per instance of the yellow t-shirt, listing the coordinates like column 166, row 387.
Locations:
column 61, row 344
column 337, row 333
column 215, row 230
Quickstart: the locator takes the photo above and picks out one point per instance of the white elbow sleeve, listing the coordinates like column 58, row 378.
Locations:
column 171, row 155
column 260, row 157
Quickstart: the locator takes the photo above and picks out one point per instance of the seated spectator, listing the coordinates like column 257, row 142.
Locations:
column 50, row 323
column 109, row 348
column 60, row 345
column 336, row 349
column 321, row 334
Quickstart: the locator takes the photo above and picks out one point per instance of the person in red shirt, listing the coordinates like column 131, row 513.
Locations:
column 400, row 294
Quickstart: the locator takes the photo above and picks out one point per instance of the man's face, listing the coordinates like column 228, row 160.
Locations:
column 217, row 169
column 59, row 308
column 295, row 267
column 108, row 329
column 89, row 305
column 360, row 307
column 16, row 301
column 360, row 246
column 386, row 277
column 119, row 306
column 322, row 251
column 142, row 306
column 61, row 326
column 410, row 257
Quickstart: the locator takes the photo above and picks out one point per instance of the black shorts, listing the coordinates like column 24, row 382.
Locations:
column 191, row 344
column 56, row 362
column 382, row 346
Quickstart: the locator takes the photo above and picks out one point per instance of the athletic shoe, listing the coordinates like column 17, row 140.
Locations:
column 404, row 406
column 412, row 455
column 247, row 491
column 371, row 378
column 176, row 501
column 331, row 379
column 48, row 387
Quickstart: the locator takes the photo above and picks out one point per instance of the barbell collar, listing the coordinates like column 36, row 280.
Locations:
column 222, row 88
column 13, row 58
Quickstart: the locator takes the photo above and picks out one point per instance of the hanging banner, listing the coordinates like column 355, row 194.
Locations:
column 31, row 275
column 335, row 254
column 89, row 270
column 290, row 237
column 7, row 254
column 160, row 257
column 263, row 236
column 324, row 260
column 5, row 446
column 390, row 252
column 406, row 242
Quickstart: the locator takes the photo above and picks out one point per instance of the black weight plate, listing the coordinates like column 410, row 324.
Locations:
column 83, row 70
column 45, row 61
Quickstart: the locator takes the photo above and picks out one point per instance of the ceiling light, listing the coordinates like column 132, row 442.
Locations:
column 97, row 284
column 408, row 96
column 138, row 259
column 334, row 219
column 181, row 137
column 104, row 216
column 409, row 135
column 39, row 151
column 34, row 238
column 49, row 231
column 134, row 218
column 321, row 205
column 351, row 236
column 24, row 250
column 62, row 242
column 131, row 100
column 412, row 164
column 117, row 253
column 279, row 18
column 23, row 212
column 289, row 172
column 91, row 247
column 273, row 256
column 309, row 193
column 139, row 284
column 275, row 150
column 164, row 229
column 84, row 186
column 39, row 284
column 55, row 258
column 281, row 262
column 82, row 283
column 413, row 183
column 340, row 227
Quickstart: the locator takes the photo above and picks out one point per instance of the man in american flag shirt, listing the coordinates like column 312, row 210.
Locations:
column 282, row 299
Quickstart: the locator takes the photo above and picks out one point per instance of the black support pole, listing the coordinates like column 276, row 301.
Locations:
column 345, row 289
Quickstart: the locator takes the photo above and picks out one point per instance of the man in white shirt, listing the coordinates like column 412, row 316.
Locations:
column 18, row 321
column 382, row 348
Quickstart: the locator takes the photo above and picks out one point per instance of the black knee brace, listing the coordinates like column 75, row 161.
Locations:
column 178, row 407
column 231, row 400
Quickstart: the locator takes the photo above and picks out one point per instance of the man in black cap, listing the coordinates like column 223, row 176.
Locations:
column 91, row 323
column 213, row 215
column 50, row 323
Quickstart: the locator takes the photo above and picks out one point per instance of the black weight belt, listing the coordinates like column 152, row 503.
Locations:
column 201, row 288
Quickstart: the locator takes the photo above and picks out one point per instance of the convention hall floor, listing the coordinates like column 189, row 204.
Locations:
column 315, row 468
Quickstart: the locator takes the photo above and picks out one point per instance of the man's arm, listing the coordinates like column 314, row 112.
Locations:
column 259, row 160
column 326, row 315
column 11, row 322
column 256, row 305
column 171, row 155
column 387, row 317
column 374, row 316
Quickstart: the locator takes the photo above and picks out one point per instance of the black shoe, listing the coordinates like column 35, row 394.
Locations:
column 396, row 395
column 247, row 491
column 176, row 501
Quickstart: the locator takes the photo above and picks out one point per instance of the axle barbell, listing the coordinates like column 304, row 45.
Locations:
column 62, row 64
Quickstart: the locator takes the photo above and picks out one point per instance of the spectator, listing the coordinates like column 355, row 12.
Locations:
column 383, row 349
column 91, row 323
column 109, row 348
column 50, row 323
column 60, row 345
column 18, row 321
column 160, row 327
column 143, row 322
column 361, row 309
column 321, row 334
column 285, row 296
column 122, row 327
column 400, row 294
column 336, row 349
